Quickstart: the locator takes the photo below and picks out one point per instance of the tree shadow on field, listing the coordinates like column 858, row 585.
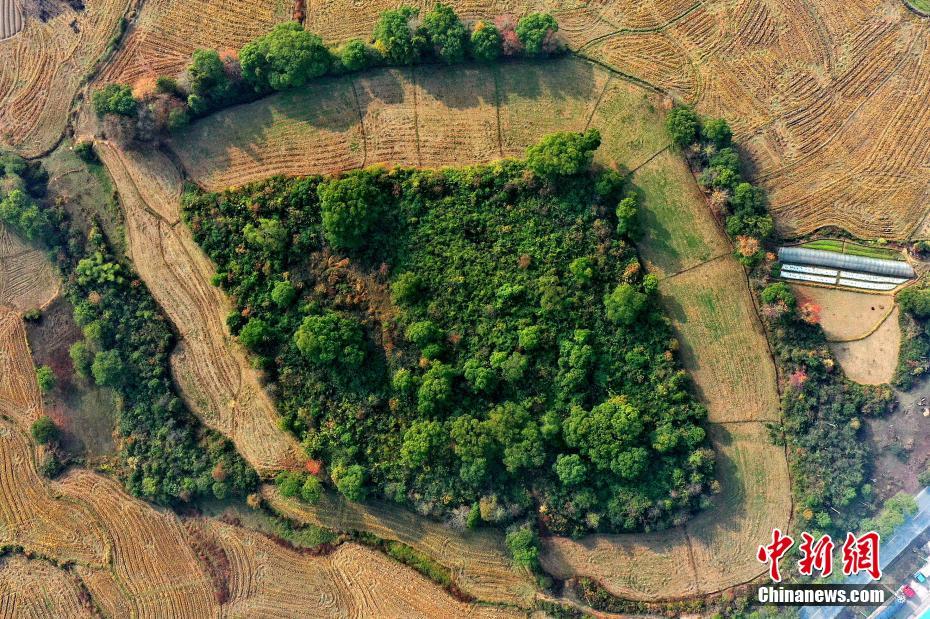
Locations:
column 689, row 358
column 556, row 79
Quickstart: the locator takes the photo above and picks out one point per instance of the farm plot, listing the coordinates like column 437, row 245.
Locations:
column 845, row 315
column 34, row 589
column 11, row 18
column 723, row 344
column 215, row 377
column 302, row 132
column 167, row 32
column 433, row 118
column 678, row 230
column 20, row 400
column 871, row 360
column 268, row 579
column 27, row 279
column 152, row 559
column 44, row 64
column 478, row 559
column 33, row 517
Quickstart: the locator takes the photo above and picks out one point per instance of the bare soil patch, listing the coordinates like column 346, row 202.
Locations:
column 872, row 360
column 845, row 315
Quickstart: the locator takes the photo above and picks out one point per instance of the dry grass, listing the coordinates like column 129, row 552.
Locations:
column 43, row 67
column 11, row 18
column 678, row 231
column 268, row 579
column 429, row 118
column 27, row 279
column 213, row 372
column 872, row 360
column 478, row 559
column 33, row 589
column 723, row 345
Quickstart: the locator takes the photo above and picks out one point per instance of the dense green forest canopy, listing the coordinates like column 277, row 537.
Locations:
column 480, row 340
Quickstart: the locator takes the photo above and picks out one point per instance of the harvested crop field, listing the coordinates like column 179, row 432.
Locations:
column 478, row 560
column 11, row 18
column 714, row 551
column 845, row 315
column 872, row 360
column 420, row 118
column 268, row 579
column 214, row 375
column 27, row 279
column 34, row 588
column 44, row 65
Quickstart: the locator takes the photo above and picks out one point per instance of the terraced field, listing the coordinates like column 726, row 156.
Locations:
column 27, row 280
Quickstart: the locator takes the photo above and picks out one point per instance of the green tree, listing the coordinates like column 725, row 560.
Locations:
column 435, row 388
column 355, row 55
column 628, row 217
column 269, row 234
column 46, row 378
column 446, row 33
column 624, row 304
column 779, row 292
column 717, row 132
column 915, row 301
column 312, row 490
column 107, row 368
column 287, row 57
column 350, row 481
column 283, row 293
column 406, row 289
column 331, row 338
column 209, row 84
column 563, row 154
column 18, row 210
column 570, row 468
column 524, row 547
column 289, row 483
column 396, row 38
column 609, row 435
column 255, row 333
column 81, row 358
column 485, row 42
column 536, row 32
column 683, row 124
column 748, row 199
column 115, row 99
column 421, row 439
column 350, row 206
column 44, row 430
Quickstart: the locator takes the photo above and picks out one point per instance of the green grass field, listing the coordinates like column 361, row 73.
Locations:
column 854, row 249
column 921, row 5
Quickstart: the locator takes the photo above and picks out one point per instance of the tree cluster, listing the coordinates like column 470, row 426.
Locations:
column 478, row 341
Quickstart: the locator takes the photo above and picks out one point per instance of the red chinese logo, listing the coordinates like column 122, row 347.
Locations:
column 861, row 554
column 773, row 553
column 816, row 555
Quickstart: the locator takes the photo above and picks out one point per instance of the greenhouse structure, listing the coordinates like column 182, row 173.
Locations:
column 802, row 264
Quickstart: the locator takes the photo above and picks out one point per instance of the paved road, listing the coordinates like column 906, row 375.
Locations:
column 888, row 552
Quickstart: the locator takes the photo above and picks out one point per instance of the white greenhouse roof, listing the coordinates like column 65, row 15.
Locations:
column 817, row 257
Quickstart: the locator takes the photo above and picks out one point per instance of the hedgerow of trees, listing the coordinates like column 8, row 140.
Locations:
column 478, row 342
column 289, row 57
column 823, row 413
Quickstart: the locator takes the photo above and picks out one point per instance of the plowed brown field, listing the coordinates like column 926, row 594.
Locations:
column 35, row 589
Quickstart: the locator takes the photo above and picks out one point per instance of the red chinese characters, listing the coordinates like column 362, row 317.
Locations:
column 860, row 554
column 773, row 553
column 816, row 555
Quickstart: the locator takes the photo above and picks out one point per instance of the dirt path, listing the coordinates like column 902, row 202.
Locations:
column 211, row 370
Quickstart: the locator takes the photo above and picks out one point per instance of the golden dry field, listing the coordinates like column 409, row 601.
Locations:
column 27, row 280
column 478, row 559
column 44, row 65
column 33, row 588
